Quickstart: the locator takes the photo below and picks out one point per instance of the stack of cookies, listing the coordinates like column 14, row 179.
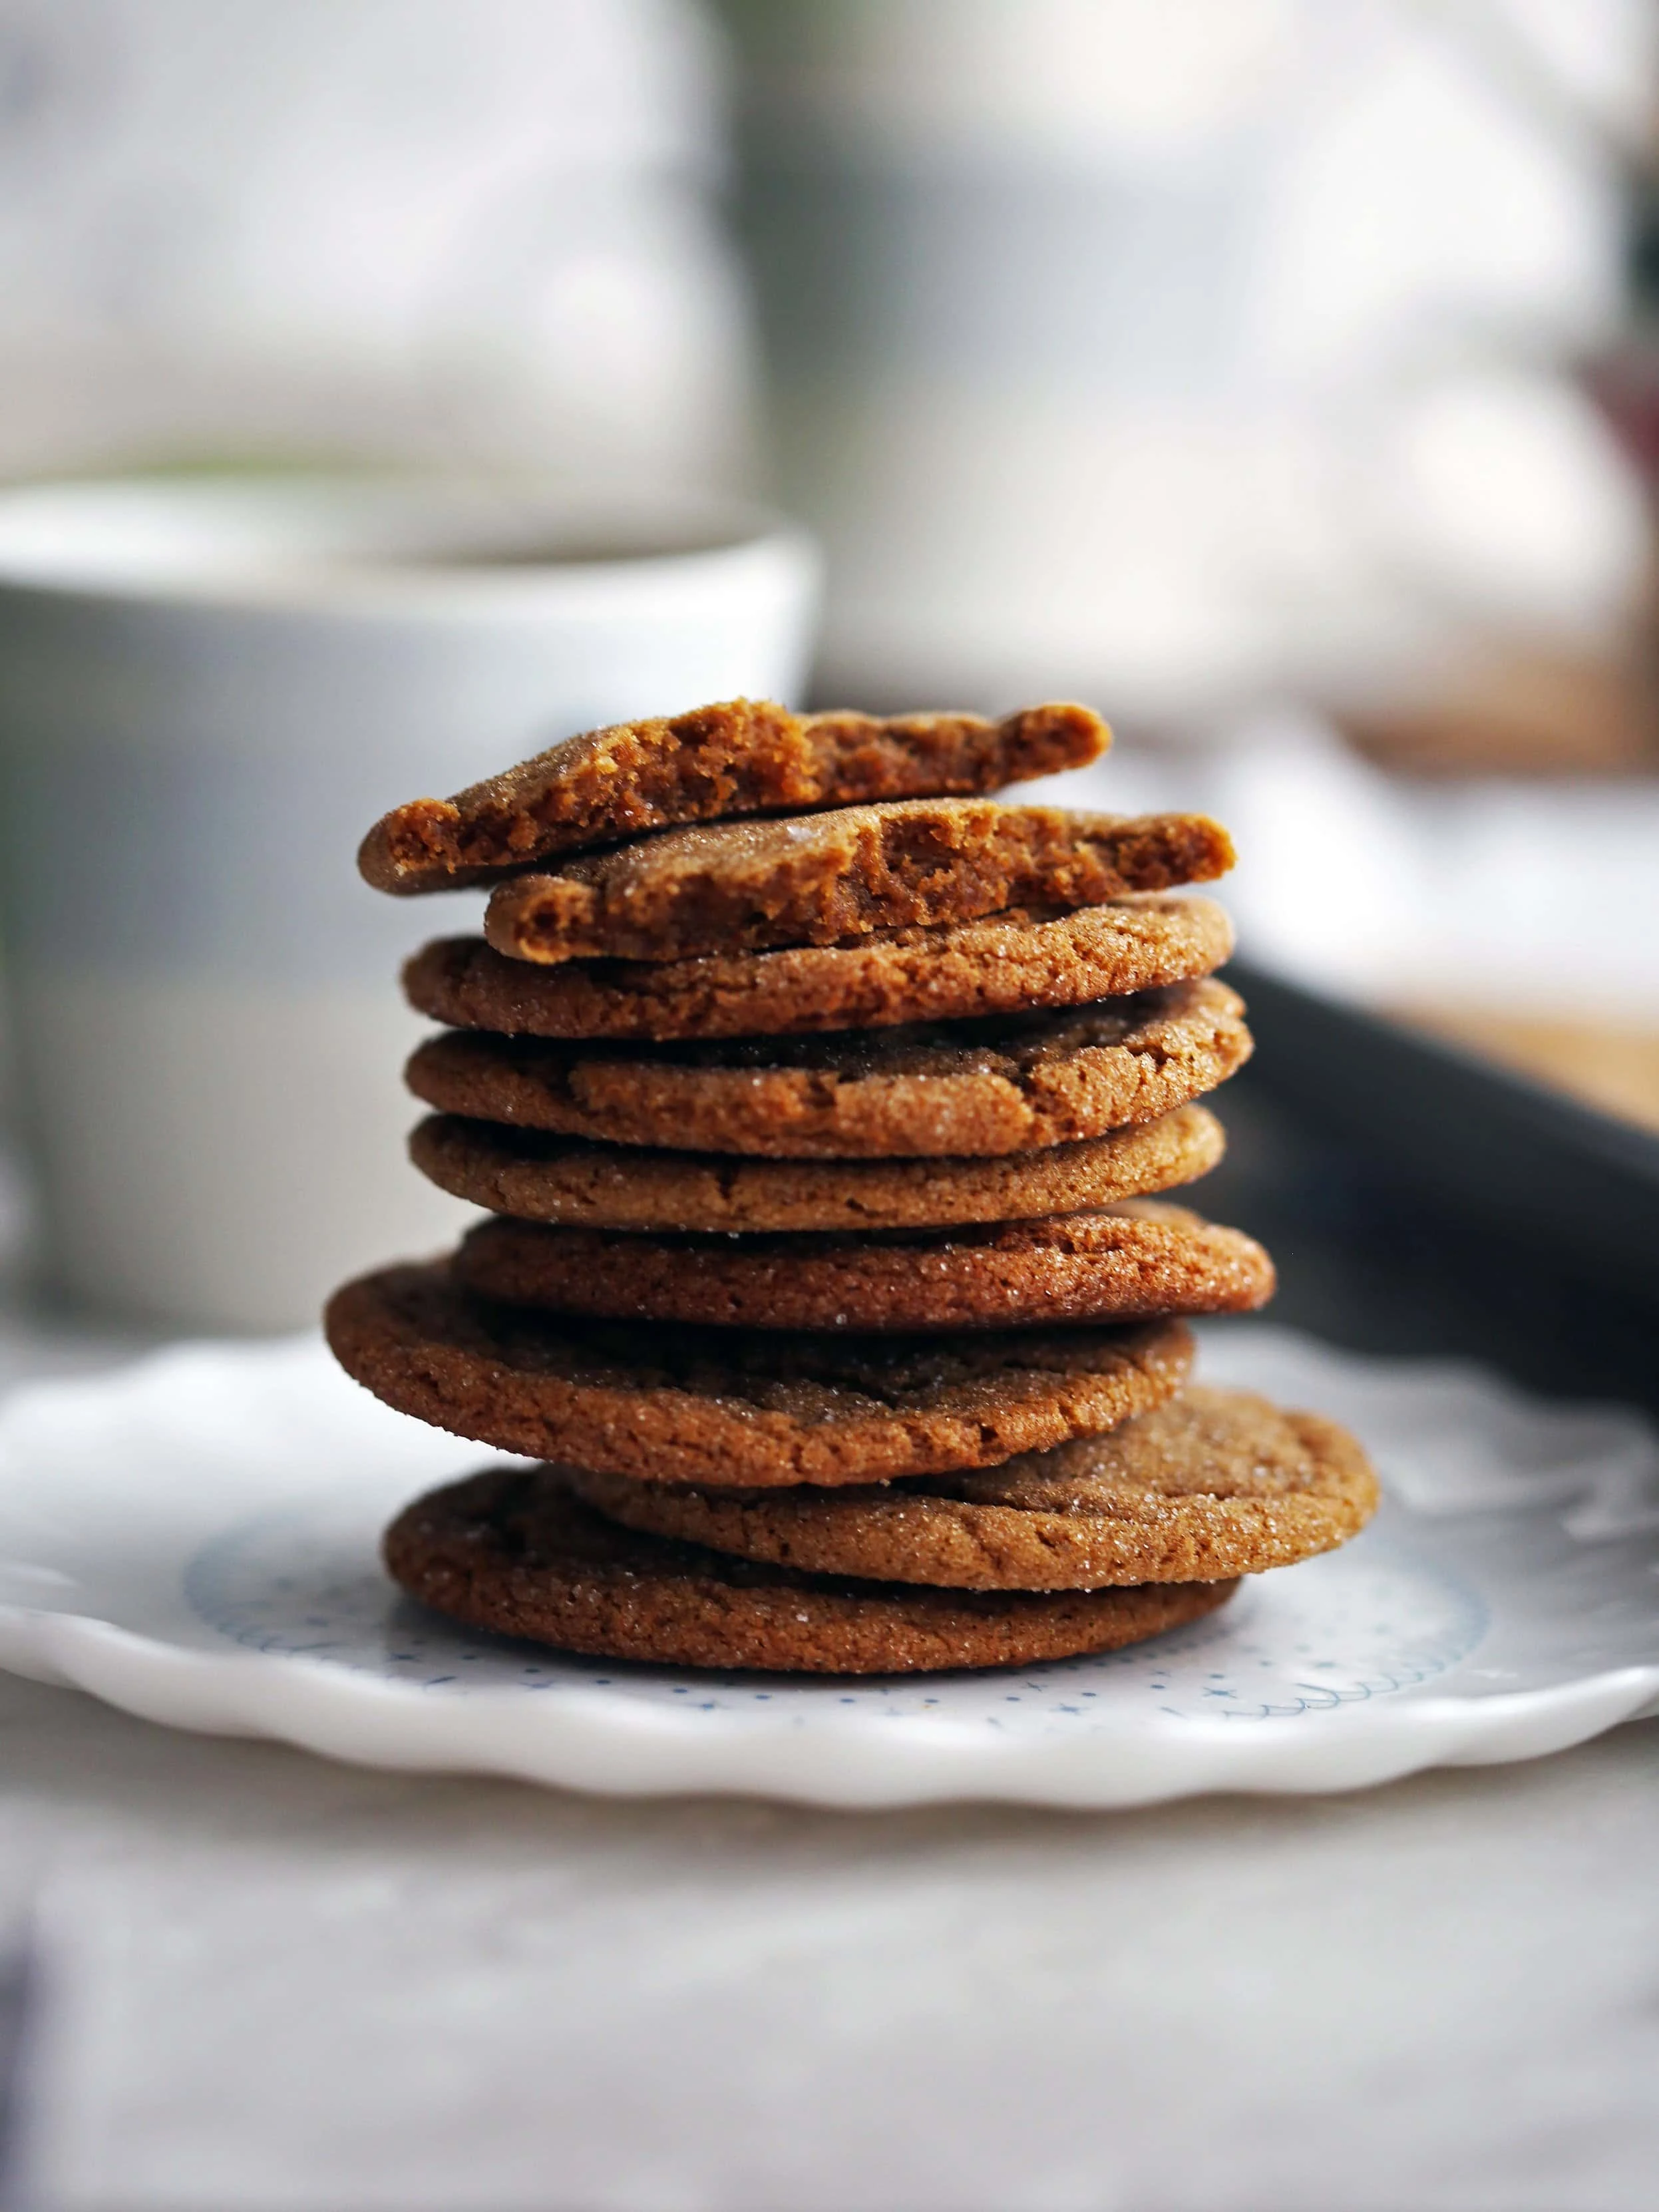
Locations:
column 816, row 1101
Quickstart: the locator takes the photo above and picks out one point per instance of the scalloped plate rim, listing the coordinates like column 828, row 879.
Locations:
column 592, row 1738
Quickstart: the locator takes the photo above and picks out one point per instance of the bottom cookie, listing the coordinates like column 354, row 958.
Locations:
column 514, row 1552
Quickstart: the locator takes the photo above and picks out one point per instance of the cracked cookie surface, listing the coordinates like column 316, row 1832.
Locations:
column 715, row 1405
column 738, row 756
column 1211, row 1483
column 1003, row 1084
column 958, row 970
column 516, row 1553
column 820, row 879
column 536, row 1177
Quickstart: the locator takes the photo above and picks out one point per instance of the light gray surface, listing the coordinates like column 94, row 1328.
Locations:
column 277, row 1983
column 272, row 1982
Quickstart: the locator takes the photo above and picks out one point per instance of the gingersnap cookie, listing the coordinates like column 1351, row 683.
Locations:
column 1214, row 1482
column 515, row 1552
column 1125, row 1263
column 719, row 1406
column 1021, row 959
column 1005, row 1083
column 536, row 1178
column 822, row 878
column 741, row 756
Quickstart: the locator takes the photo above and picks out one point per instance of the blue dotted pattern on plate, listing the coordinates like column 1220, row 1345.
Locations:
column 1364, row 1623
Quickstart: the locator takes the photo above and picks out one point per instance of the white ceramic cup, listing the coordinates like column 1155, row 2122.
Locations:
column 208, row 692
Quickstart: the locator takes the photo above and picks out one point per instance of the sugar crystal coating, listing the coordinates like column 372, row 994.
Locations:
column 518, row 1553
column 671, row 1404
column 1211, row 1483
column 1003, row 1084
column 1124, row 1262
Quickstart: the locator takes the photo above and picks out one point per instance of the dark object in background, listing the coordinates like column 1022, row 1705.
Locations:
column 1422, row 1201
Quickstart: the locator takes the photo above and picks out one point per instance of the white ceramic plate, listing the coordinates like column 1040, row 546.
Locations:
column 193, row 1539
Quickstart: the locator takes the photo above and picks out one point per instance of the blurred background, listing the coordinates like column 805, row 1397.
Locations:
column 1281, row 376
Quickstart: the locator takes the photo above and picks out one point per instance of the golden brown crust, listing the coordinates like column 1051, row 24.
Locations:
column 825, row 878
column 564, row 1180
column 1125, row 1263
column 955, row 971
column 740, row 757
column 1214, row 1482
column 516, row 1554
column 965, row 1089
column 714, row 1406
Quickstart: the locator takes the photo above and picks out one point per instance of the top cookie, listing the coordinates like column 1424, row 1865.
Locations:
column 825, row 878
column 743, row 756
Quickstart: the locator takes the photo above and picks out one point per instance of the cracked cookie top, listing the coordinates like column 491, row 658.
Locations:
column 740, row 757
column 829, row 878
